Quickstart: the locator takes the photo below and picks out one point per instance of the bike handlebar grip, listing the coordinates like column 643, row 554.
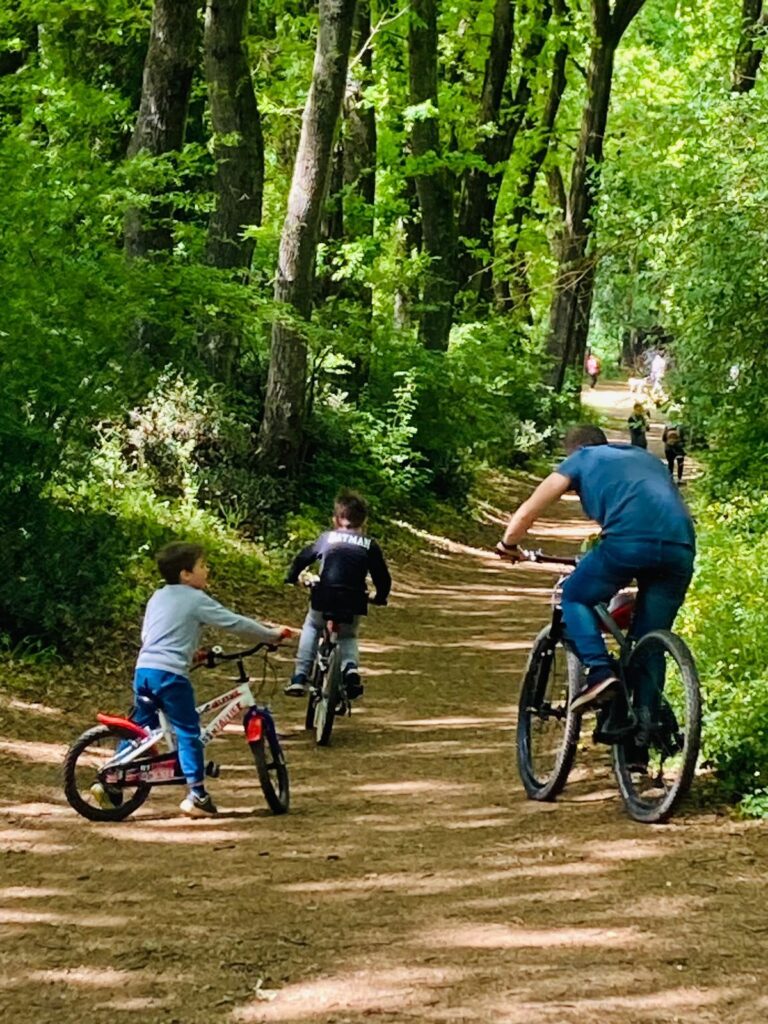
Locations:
column 286, row 633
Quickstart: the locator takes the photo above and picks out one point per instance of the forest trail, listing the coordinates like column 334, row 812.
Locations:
column 411, row 882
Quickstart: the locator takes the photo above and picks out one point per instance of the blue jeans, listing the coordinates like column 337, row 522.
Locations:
column 174, row 694
column 312, row 630
column 663, row 571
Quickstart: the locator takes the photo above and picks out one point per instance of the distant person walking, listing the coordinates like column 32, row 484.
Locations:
column 592, row 367
column 674, row 448
column 638, row 426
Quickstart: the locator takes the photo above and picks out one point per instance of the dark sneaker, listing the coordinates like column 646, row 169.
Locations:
column 352, row 683
column 195, row 806
column 596, row 692
column 297, row 686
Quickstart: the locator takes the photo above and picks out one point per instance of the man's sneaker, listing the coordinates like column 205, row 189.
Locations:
column 195, row 806
column 297, row 686
column 106, row 798
column 352, row 682
column 595, row 692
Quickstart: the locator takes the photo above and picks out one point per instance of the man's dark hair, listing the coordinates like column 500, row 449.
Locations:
column 177, row 556
column 350, row 508
column 582, row 435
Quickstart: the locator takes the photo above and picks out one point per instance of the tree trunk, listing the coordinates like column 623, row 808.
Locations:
column 751, row 45
column 238, row 144
column 474, row 187
column 519, row 288
column 433, row 182
column 170, row 63
column 283, row 422
column 482, row 185
column 238, row 149
column 572, row 299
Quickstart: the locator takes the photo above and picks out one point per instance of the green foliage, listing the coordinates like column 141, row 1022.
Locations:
column 725, row 619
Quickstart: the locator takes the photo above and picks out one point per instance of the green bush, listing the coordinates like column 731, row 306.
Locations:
column 725, row 619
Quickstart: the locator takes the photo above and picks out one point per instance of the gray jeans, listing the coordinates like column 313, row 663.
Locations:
column 311, row 632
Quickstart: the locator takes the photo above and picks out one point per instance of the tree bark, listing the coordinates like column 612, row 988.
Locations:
column 751, row 45
column 433, row 182
column 283, row 422
column 518, row 288
column 238, row 149
column 476, row 180
column 238, row 143
column 482, row 185
column 170, row 63
column 572, row 299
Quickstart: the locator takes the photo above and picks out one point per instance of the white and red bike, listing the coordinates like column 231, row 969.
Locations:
column 110, row 770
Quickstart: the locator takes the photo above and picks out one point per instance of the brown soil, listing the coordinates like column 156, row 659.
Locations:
column 410, row 882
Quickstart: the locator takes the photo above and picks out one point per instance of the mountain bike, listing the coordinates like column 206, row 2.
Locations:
column 122, row 761
column 652, row 722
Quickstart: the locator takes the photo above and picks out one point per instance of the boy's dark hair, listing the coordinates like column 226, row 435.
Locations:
column 582, row 435
column 351, row 508
column 177, row 556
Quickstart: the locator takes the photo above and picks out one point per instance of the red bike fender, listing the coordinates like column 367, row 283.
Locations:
column 254, row 727
column 122, row 723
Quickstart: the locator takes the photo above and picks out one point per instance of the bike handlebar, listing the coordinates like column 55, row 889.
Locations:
column 539, row 557
column 210, row 657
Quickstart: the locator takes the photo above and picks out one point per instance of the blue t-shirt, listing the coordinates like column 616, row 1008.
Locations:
column 629, row 492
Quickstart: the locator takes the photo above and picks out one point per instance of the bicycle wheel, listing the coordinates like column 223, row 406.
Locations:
column 547, row 730
column 272, row 770
column 661, row 675
column 314, row 689
column 82, row 766
column 325, row 709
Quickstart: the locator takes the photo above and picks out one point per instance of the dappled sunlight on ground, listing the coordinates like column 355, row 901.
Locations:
column 411, row 881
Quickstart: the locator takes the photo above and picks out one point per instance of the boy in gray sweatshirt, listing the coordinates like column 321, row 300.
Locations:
column 170, row 636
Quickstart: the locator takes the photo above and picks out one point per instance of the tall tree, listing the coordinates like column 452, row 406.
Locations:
column 482, row 184
column 284, row 403
column 434, row 185
column 238, row 149
column 751, row 45
column 572, row 299
column 172, row 56
column 516, row 289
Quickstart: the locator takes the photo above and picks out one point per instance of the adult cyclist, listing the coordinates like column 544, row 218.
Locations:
column 647, row 534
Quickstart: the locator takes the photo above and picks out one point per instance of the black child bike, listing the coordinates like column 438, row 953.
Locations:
column 653, row 722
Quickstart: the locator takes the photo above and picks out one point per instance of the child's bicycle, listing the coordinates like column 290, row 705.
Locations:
column 110, row 770
column 327, row 697
column 653, row 722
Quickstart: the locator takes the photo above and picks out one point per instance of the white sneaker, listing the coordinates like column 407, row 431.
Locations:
column 198, row 806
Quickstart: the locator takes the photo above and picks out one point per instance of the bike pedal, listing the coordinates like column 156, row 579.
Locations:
column 213, row 770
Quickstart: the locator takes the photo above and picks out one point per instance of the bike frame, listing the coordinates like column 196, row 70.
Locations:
column 162, row 769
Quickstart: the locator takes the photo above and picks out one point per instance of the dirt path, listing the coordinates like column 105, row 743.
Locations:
column 411, row 880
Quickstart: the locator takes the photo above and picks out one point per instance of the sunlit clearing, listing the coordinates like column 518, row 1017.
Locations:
column 37, row 709
column 623, row 849
column 45, row 753
column 500, row 936
column 414, row 786
column 401, row 989
column 30, row 892
column 451, row 723
column 24, row 840
column 443, row 542
column 37, row 810
column 48, row 917
column 86, row 977
column 193, row 835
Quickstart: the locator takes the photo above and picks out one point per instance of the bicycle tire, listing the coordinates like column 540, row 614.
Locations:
column 325, row 709
column 314, row 689
column 272, row 771
column 681, row 695
column 550, row 672
column 72, row 788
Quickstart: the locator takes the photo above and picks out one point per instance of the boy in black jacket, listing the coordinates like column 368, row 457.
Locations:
column 347, row 557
